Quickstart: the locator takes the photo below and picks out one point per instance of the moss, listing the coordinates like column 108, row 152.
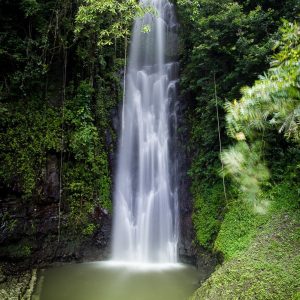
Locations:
column 238, row 228
column 242, row 222
column 284, row 196
column 17, row 286
column 206, row 215
column 267, row 269
column 261, row 250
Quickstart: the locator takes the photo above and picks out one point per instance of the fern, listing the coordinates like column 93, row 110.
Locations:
column 272, row 102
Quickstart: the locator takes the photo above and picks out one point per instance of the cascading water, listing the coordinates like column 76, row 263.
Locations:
column 145, row 199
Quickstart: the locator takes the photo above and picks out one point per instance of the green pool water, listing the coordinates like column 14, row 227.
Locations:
column 111, row 281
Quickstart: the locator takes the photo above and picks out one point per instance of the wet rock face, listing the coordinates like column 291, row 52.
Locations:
column 29, row 229
column 29, row 234
column 187, row 252
column 51, row 186
column 112, row 137
column 69, row 247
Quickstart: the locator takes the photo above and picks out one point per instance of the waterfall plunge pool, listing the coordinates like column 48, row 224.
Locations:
column 117, row 281
column 146, row 209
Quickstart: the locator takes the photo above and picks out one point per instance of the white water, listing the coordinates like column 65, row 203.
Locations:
column 145, row 228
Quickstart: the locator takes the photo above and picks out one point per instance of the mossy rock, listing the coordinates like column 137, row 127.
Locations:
column 268, row 269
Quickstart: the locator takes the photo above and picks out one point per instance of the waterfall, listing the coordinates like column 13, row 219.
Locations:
column 145, row 227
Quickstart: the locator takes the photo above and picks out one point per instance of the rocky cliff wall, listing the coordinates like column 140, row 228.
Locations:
column 29, row 228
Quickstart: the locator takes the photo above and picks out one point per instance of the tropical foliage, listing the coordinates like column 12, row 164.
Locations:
column 273, row 102
column 61, row 65
column 230, row 44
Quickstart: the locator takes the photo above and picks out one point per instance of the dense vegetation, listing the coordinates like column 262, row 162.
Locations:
column 239, row 198
column 61, row 65
column 61, row 68
column 230, row 45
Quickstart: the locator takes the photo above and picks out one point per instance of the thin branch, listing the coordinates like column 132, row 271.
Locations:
column 220, row 141
column 62, row 142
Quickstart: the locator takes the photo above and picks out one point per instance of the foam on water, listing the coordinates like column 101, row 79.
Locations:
column 139, row 266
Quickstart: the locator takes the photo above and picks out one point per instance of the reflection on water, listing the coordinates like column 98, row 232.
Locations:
column 108, row 281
